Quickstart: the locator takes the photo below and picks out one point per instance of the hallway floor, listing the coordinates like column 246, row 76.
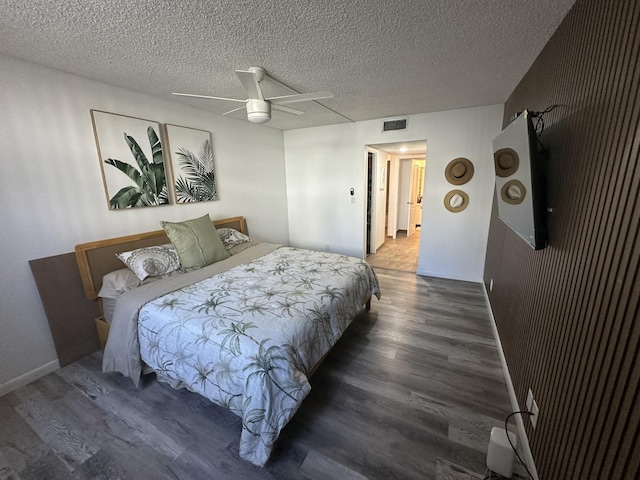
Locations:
column 400, row 253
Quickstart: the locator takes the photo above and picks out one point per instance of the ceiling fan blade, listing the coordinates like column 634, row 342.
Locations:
column 290, row 110
column 234, row 110
column 250, row 84
column 300, row 97
column 209, row 97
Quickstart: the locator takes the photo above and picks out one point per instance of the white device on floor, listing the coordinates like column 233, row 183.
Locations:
column 500, row 454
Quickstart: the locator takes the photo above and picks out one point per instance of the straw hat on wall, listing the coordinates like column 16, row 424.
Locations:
column 459, row 171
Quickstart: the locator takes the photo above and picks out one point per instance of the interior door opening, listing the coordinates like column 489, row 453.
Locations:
column 395, row 188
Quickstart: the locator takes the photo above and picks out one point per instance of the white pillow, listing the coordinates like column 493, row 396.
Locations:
column 151, row 261
column 121, row 281
column 116, row 283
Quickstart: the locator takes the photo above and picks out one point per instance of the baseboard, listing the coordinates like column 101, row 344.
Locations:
column 522, row 434
column 448, row 276
column 29, row 377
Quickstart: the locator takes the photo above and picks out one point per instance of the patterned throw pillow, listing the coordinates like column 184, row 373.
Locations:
column 151, row 261
column 231, row 237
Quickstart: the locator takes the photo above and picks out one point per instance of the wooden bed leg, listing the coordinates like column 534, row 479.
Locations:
column 368, row 305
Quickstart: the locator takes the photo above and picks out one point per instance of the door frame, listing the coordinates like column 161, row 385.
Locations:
column 392, row 171
column 370, row 228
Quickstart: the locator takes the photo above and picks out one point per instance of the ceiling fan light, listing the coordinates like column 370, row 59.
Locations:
column 258, row 117
column 258, row 111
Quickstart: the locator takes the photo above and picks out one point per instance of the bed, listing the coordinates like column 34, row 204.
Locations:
column 246, row 332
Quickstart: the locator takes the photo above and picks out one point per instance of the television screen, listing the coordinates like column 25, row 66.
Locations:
column 520, row 181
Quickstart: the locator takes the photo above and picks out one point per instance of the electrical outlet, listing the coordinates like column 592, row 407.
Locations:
column 536, row 413
column 529, row 400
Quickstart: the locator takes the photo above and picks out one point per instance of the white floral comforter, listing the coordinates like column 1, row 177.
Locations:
column 247, row 338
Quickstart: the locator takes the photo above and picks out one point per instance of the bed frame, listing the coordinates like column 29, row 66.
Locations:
column 96, row 259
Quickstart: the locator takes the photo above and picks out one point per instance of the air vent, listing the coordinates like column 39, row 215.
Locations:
column 394, row 125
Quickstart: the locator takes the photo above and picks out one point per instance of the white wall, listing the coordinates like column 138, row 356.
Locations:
column 323, row 163
column 52, row 196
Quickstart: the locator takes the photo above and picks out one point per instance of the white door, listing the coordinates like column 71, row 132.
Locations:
column 414, row 206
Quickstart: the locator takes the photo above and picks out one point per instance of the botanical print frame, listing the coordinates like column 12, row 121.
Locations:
column 131, row 160
column 190, row 153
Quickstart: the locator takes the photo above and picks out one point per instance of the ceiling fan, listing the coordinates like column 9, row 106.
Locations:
column 258, row 107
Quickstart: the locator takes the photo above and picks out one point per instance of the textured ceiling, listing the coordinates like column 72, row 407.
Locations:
column 380, row 58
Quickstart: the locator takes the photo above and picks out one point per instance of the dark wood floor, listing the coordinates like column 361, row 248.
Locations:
column 411, row 391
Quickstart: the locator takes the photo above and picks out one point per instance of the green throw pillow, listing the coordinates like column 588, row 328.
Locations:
column 197, row 242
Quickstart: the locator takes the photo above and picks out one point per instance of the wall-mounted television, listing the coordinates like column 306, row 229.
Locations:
column 521, row 180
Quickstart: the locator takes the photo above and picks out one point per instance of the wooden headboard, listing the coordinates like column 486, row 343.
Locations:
column 96, row 259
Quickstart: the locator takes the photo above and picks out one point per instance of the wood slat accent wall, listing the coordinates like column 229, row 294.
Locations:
column 568, row 315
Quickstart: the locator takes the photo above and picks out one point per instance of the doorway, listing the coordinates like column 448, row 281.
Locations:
column 395, row 186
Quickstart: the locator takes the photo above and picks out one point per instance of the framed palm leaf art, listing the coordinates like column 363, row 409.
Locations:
column 131, row 160
column 192, row 169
